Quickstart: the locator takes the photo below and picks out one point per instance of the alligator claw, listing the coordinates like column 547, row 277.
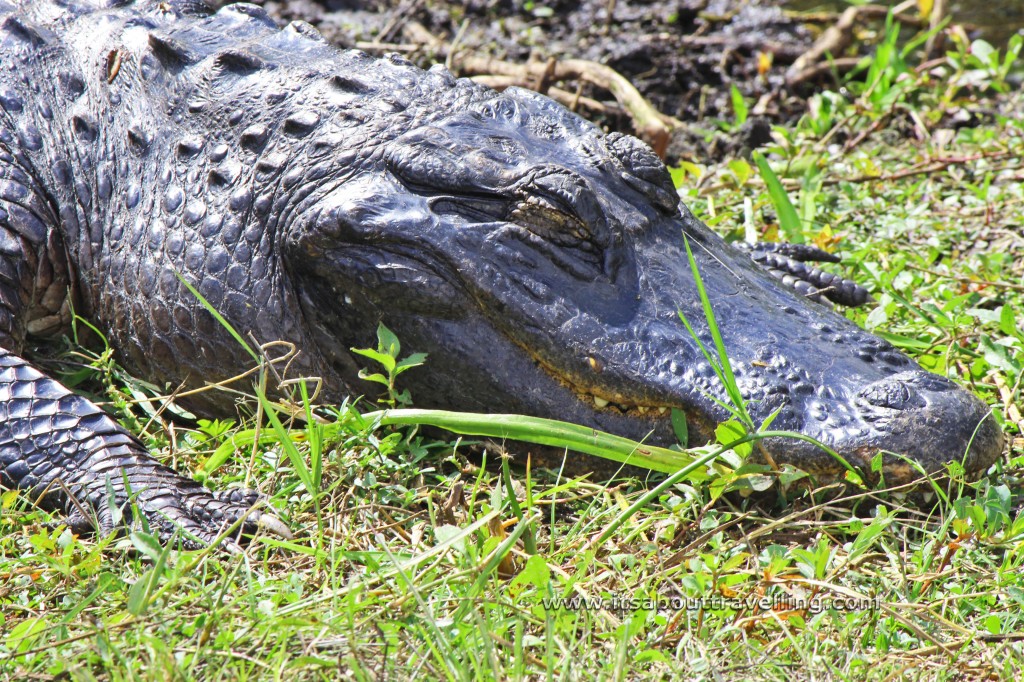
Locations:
column 200, row 517
column 250, row 500
column 182, row 511
column 788, row 263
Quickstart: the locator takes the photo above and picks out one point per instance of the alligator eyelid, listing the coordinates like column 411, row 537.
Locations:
column 475, row 210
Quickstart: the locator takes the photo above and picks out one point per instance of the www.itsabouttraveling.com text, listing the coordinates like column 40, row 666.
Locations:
column 815, row 604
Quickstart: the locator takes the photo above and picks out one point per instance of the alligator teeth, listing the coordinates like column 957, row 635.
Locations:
column 625, row 407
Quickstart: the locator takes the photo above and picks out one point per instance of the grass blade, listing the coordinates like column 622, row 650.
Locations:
column 789, row 220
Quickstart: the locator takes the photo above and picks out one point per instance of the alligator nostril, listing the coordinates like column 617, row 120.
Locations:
column 895, row 393
column 912, row 389
column 894, row 396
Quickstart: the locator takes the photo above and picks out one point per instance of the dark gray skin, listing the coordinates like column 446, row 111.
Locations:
column 310, row 193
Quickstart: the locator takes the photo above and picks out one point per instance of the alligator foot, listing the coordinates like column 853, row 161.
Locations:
column 788, row 263
column 189, row 515
column 71, row 456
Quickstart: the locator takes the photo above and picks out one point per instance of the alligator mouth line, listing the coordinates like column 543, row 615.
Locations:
column 619, row 405
column 600, row 400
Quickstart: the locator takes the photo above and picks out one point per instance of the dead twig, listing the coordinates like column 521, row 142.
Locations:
column 875, row 126
column 839, row 36
column 968, row 280
column 651, row 125
column 399, row 16
column 648, row 122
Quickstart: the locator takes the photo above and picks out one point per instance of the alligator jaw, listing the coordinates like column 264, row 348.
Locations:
column 944, row 418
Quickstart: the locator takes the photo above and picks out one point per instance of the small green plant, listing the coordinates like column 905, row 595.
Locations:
column 386, row 355
column 789, row 220
column 739, row 106
column 979, row 65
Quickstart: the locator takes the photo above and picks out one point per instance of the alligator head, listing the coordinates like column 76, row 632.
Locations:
column 541, row 264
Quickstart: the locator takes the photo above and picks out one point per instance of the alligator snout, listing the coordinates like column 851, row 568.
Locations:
column 928, row 420
column 798, row 363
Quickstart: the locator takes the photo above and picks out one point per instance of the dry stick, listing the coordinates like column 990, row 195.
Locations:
column 571, row 100
column 938, row 13
column 398, row 17
column 833, row 40
column 651, row 125
column 922, row 168
column 417, row 33
column 377, row 46
column 838, row 37
column 875, row 126
column 455, row 43
column 750, row 42
column 815, row 71
column 963, row 641
column 968, row 280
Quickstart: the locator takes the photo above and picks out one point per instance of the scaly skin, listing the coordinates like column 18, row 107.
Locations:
column 310, row 193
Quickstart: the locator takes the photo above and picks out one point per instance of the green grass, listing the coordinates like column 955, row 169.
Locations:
column 413, row 562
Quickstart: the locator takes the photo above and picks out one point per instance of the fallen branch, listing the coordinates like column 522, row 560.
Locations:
column 570, row 100
column 647, row 121
column 839, row 36
column 650, row 125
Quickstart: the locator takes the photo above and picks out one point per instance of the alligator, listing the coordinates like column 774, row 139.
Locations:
column 309, row 193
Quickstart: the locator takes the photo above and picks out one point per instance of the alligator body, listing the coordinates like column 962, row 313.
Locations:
column 309, row 193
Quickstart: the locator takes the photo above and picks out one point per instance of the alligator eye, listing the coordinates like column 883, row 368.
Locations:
column 893, row 394
column 549, row 221
column 644, row 171
column 429, row 159
column 560, row 207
